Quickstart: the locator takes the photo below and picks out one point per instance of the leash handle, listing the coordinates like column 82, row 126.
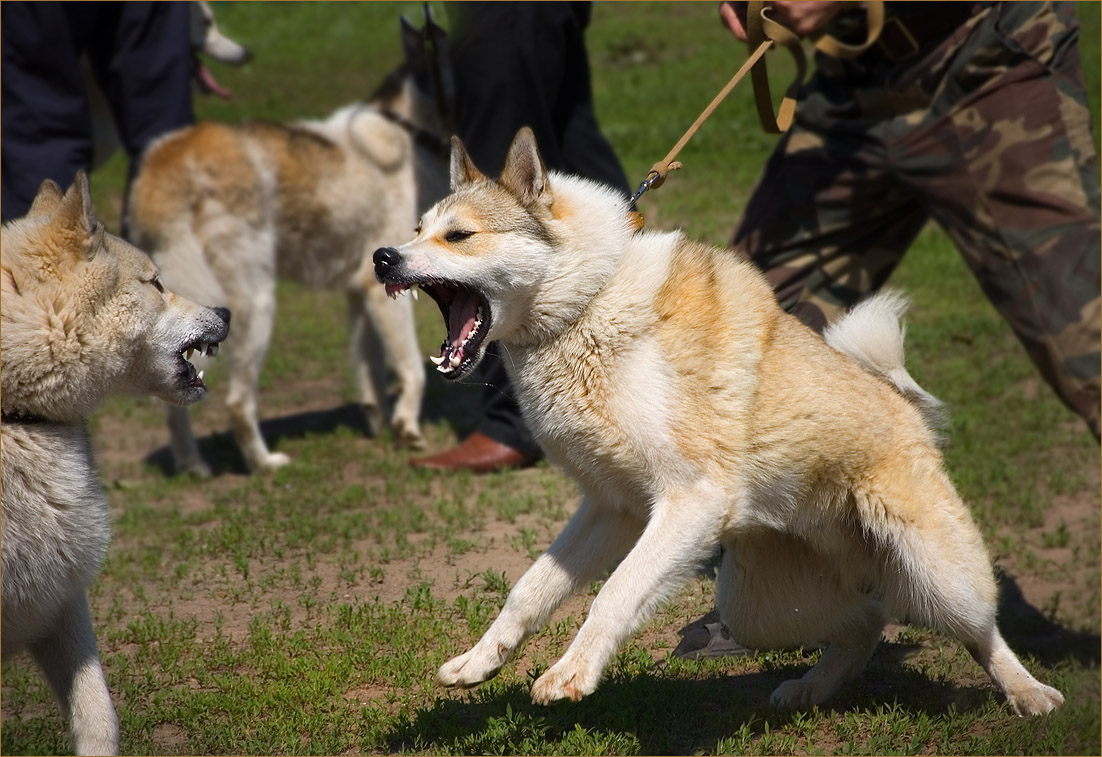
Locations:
column 760, row 26
column 760, row 29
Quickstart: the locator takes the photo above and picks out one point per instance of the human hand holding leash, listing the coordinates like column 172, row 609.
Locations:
column 802, row 17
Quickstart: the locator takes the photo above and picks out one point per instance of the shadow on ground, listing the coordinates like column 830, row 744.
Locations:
column 220, row 450
column 1029, row 631
column 456, row 405
column 665, row 715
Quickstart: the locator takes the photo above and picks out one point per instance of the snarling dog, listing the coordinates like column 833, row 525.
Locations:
column 84, row 315
column 693, row 412
column 225, row 209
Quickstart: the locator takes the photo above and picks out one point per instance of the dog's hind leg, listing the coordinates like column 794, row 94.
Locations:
column 72, row 666
column 941, row 577
column 774, row 590
column 395, row 327
column 1024, row 693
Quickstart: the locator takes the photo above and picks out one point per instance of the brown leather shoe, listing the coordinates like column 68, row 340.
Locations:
column 478, row 453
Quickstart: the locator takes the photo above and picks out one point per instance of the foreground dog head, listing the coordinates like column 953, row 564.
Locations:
column 84, row 314
column 514, row 259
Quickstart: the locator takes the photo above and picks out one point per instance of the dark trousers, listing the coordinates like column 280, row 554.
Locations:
column 525, row 64
column 140, row 54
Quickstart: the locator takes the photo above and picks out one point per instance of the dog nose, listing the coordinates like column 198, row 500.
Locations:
column 223, row 313
column 386, row 258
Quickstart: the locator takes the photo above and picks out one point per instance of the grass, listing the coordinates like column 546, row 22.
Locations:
column 307, row 611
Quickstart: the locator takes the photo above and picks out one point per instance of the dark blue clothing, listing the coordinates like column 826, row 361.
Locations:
column 525, row 64
column 140, row 54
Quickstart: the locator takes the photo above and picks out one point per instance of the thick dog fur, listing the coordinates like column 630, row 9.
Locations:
column 693, row 412
column 225, row 209
column 84, row 315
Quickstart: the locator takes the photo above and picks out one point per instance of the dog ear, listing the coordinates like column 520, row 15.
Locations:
column 48, row 197
column 524, row 174
column 76, row 212
column 463, row 170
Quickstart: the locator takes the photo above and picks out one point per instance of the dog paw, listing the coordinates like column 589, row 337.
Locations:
column 468, row 669
column 272, row 461
column 797, row 694
column 1037, row 700
column 409, row 436
column 562, row 682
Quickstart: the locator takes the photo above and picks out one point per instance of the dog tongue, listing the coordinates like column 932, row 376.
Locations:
column 206, row 81
column 462, row 313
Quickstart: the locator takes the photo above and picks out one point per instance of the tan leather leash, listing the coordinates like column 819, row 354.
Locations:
column 762, row 32
column 659, row 170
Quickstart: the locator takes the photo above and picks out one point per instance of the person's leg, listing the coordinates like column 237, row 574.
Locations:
column 826, row 224
column 520, row 64
column 47, row 128
column 1022, row 204
column 143, row 62
column 142, row 59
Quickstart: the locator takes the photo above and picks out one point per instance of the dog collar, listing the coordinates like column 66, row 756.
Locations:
column 423, row 137
column 20, row 417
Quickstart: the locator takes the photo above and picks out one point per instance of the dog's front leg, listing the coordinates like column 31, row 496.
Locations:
column 594, row 539
column 675, row 543
column 71, row 663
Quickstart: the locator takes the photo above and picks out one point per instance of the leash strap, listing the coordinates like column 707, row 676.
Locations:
column 762, row 32
column 658, row 171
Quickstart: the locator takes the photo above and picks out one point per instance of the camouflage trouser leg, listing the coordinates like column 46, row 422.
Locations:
column 1015, row 188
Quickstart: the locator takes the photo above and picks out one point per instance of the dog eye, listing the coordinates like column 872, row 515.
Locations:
column 457, row 236
column 156, row 282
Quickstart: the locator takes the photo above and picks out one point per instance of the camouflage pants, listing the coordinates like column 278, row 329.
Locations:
column 987, row 132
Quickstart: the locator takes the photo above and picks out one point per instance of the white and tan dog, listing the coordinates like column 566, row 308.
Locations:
column 84, row 315
column 225, row 209
column 693, row 412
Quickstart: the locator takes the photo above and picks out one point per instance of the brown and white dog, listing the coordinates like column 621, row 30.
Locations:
column 84, row 315
column 693, row 412
column 225, row 209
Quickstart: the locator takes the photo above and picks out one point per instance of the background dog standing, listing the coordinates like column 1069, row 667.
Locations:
column 664, row 378
column 225, row 209
column 84, row 315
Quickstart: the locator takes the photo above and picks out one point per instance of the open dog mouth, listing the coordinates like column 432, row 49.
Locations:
column 467, row 318
column 189, row 377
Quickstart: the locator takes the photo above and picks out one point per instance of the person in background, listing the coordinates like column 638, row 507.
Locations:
column 140, row 55
column 973, row 114
column 520, row 64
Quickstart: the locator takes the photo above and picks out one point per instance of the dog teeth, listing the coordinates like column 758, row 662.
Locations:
column 212, row 350
column 436, row 360
column 200, row 375
column 455, row 361
column 413, row 292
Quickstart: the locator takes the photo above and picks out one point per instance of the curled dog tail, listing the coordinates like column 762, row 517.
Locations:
column 872, row 334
